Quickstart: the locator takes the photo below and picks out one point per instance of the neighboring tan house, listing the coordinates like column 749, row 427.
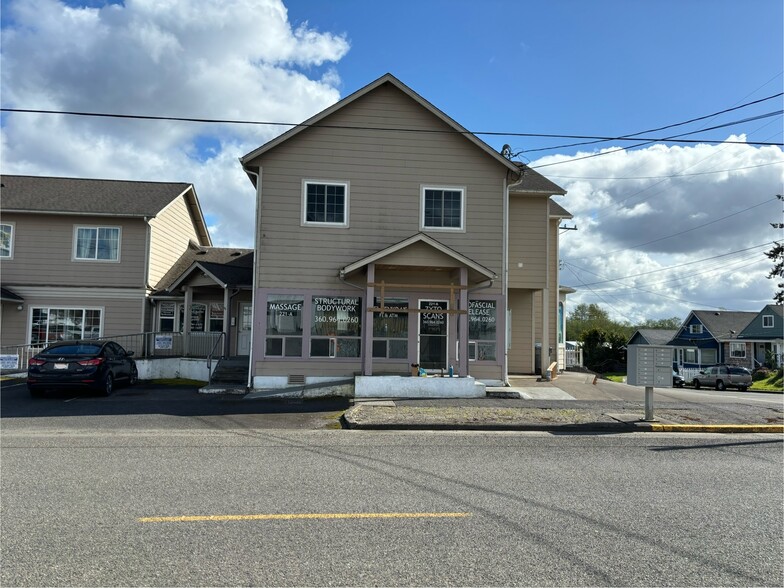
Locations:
column 765, row 335
column 708, row 337
column 213, row 286
column 388, row 235
column 78, row 257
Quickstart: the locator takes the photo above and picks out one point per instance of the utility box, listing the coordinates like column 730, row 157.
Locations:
column 649, row 365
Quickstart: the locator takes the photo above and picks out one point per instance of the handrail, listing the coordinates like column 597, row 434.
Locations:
column 212, row 352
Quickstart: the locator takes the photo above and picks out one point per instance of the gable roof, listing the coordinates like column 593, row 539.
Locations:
column 228, row 266
column 722, row 325
column 558, row 211
column 42, row 195
column 755, row 329
column 419, row 238
column 532, row 181
column 656, row 336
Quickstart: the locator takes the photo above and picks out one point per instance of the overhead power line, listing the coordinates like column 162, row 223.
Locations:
column 718, row 171
column 384, row 129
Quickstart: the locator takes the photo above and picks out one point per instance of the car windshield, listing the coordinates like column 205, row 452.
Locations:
column 72, row 350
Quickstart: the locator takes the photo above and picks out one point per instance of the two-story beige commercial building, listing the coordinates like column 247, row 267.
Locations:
column 389, row 236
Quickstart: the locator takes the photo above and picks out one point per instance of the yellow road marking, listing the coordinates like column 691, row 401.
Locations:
column 293, row 516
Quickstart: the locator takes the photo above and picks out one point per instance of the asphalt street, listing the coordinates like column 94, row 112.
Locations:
column 337, row 508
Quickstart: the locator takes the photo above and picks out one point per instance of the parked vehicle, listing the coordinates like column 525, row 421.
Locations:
column 722, row 377
column 677, row 380
column 88, row 364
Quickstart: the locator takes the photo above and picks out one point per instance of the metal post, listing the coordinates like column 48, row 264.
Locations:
column 649, row 404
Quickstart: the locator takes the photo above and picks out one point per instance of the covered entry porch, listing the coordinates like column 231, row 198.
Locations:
column 426, row 310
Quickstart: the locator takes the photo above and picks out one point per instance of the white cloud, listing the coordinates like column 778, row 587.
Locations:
column 639, row 232
column 186, row 58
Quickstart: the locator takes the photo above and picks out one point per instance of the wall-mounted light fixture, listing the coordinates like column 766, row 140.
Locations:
column 19, row 306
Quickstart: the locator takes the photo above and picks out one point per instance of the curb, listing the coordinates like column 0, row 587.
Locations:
column 724, row 428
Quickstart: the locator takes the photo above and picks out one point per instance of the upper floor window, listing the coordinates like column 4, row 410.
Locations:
column 443, row 208
column 767, row 321
column 695, row 329
column 325, row 203
column 6, row 240
column 97, row 243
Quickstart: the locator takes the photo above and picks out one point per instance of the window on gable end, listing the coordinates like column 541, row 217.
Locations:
column 443, row 208
column 767, row 321
column 325, row 203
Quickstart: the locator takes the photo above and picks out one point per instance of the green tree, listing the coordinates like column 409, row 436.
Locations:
column 672, row 323
column 776, row 255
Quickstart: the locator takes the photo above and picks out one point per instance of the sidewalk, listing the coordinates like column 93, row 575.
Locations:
column 570, row 403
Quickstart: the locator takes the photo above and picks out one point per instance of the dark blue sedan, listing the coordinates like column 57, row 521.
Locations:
column 95, row 365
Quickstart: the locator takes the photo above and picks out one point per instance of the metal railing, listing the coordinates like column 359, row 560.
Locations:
column 143, row 345
column 217, row 345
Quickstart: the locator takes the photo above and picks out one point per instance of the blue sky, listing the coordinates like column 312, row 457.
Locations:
column 662, row 228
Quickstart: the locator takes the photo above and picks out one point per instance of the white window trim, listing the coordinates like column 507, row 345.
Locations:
column 49, row 307
column 695, row 329
column 11, row 243
column 463, row 206
column 305, row 222
column 732, row 354
column 92, row 260
column 772, row 321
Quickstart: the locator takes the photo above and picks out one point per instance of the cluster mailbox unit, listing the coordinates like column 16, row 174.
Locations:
column 649, row 366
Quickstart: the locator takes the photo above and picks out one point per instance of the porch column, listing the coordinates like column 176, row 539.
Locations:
column 186, row 319
column 226, row 322
column 462, row 319
column 367, row 333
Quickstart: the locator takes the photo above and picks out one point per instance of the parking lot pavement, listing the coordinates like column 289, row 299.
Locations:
column 150, row 405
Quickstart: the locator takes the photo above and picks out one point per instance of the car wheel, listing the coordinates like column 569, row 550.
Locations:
column 696, row 384
column 108, row 384
column 720, row 386
column 134, row 377
column 742, row 388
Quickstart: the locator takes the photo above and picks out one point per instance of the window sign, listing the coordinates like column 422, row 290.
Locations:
column 390, row 329
column 336, row 326
column 166, row 312
column 482, row 321
column 198, row 312
column 216, row 317
column 284, row 325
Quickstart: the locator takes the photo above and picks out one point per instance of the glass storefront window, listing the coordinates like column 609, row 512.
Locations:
column 390, row 330
column 58, row 324
column 284, row 325
column 336, row 326
column 166, row 312
column 482, row 320
column 216, row 317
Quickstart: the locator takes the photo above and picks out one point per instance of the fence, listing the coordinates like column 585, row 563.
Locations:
column 143, row 345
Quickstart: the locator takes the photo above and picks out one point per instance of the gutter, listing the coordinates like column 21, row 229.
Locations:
column 505, row 278
column 256, row 258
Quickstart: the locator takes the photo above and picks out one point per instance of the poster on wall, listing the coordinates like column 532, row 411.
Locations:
column 9, row 362
column 163, row 341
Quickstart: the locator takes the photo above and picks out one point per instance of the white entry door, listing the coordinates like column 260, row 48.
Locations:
column 245, row 328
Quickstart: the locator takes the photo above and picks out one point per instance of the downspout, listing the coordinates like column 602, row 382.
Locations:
column 256, row 258
column 146, row 280
column 505, row 277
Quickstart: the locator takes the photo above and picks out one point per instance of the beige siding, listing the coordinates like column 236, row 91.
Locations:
column 521, row 351
column 44, row 250
column 121, row 310
column 170, row 233
column 528, row 241
column 385, row 171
